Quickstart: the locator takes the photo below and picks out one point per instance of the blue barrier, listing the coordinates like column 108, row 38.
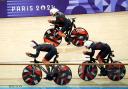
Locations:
column 27, row 8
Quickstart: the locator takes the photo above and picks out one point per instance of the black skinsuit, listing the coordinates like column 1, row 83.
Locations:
column 62, row 21
column 103, row 47
column 46, row 48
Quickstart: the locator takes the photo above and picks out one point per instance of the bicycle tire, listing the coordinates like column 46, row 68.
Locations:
column 32, row 74
column 79, row 36
column 116, row 72
column 51, row 36
column 87, row 72
column 63, row 75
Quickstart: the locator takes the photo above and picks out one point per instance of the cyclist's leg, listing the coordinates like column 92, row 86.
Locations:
column 47, row 58
column 102, row 54
column 67, row 31
column 100, row 57
column 64, row 28
column 46, row 61
column 100, row 60
column 61, row 32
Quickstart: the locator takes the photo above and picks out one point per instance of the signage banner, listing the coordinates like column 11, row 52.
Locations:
column 27, row 8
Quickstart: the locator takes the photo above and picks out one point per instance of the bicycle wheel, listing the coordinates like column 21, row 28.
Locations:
column 32, row 74
column 116, row 72
column 51, row 36
column 79, row 36
column 87, row 72
column 63, row 75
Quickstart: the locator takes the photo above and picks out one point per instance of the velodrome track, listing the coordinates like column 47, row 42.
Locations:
column 16, row 34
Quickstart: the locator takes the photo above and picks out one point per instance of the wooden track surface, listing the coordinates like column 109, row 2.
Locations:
column 16, row 34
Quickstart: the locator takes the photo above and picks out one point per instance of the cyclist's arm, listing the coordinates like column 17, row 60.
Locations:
column 91, row 52
column 36, row 54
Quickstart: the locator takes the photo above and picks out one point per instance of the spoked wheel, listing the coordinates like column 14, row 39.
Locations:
column 51, row 36
column 32, row 74
column 79, row 36
column 116, row 71
column 63, row 75
column 87, row 72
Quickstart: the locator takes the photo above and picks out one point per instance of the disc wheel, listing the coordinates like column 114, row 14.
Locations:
column 87, row 72
column 116, row 71
column 79, row 36
column 51, row 36
column 63, row 75
column 32, row 74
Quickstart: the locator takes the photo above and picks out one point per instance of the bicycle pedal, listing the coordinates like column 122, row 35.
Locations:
column 68, row 43
column 50, row 78
column 102, row 74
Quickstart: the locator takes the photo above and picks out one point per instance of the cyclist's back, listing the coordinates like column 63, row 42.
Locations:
column 100, row 46
column 61, row 19
column 46, row 47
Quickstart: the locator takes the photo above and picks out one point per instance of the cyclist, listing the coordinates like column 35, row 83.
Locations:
column 60, row 21
column 104, row 51
column 51, row 51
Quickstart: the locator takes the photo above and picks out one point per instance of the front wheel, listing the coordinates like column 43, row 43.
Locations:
column 32, row 74
column 63, row 75
column 79, row 36
column 116, row 71
column 51, row 36
column 87, row 72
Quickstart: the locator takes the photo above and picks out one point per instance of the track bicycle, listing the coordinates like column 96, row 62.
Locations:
column 60, row 74
column 77, row 35
column 114, row 70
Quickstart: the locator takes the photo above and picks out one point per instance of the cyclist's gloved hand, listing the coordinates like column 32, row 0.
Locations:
column 87, row 53
column 29, row 54
column 50, row 21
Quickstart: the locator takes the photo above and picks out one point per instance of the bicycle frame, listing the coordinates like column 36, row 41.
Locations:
column 43, row 69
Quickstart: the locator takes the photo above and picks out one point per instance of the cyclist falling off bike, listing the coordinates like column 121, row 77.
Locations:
column 104, row 51
column 61, row 21
column 51, row 51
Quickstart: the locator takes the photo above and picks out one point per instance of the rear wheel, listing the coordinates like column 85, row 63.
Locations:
column 116, row 71
column 87, row 72
column 51, row 36
column 63, row 75
column 79, row 36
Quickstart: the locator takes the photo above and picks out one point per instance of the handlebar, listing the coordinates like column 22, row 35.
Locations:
column 73, row 19
column 111, row 53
